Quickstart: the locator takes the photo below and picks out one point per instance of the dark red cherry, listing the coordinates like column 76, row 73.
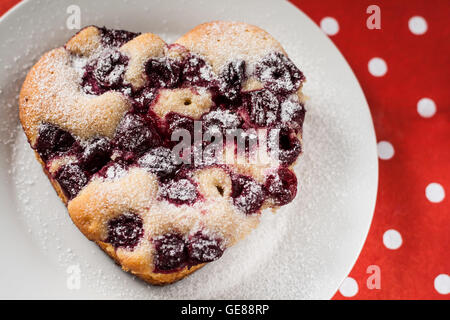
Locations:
column 203, row 248
column 263, row 107
column 231, row 79
column 72, row 179
column 292, row 113
column 116, row 38
column 175, row 121
column 136, row 134
column 105, row 73
column 52, row 140
column 289, row 147
column 221, row 119
column 96, row 154
column 160, row 161
column 162, row 73
column 248, row 195
column 196, row 72
column 144, row 98
column 282, row 186
column 279, row 74
column 171, row 252
column 125, row 231
column 180, row 191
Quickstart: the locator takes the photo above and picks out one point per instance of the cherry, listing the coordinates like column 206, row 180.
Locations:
column 221, row 120
column 196, row 72
column 105, row 73
column 248, row 195
column 175, row 121
column 52, row 140
column 96, row 154
column 292, row 113
column 279, row 74
column 171, row 252
column 125, row 231
column 231, row 79
column 72, row 179
column 180, row 191
column 116, row 38
column 289, row 147
column 159, row 161
column 282, row 186
column 136, row 134
column 203, row 248
column 144, row 98
column 263, row 107
column 163, row 73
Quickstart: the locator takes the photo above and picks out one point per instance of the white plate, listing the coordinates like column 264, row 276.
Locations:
column 304, row 251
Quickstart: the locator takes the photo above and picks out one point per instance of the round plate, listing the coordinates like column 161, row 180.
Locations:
column 303, row 251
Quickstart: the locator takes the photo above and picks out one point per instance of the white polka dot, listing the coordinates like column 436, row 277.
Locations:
column 417, row 25
column 435, row 192
column 329, row 25
column 392, row 239
column 377, row 67
column 442, row 283
column 426, row 107
column 349, row 287
column 385, row 150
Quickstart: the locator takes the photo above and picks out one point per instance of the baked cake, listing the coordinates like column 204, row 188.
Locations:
column 101, row 113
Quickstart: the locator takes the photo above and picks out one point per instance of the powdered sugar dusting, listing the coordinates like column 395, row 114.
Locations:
column 59, row 69
column 78, row 64
column 290, row 108
column 59, row 100
column 182, row 190
column 115, row 171
column 222, row 118
column 222, row 279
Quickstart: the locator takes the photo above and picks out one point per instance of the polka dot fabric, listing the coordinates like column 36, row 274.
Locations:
column 403, row 69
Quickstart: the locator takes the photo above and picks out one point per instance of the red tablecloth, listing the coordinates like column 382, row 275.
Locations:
column 403, row 69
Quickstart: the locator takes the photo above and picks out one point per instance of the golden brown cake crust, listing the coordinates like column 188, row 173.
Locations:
column 51, row 93
column 220, row 40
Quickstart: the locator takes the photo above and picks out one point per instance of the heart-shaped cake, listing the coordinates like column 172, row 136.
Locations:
column 134, row 134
